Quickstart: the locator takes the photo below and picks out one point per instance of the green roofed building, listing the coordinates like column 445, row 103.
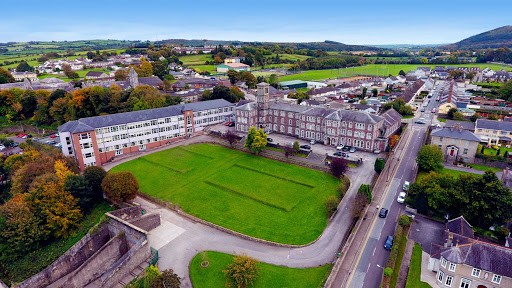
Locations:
column 293, row 84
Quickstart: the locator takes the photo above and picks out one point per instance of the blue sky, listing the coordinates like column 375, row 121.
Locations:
column 354, row 22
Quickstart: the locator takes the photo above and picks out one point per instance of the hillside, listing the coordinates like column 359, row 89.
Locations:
column 500, row 37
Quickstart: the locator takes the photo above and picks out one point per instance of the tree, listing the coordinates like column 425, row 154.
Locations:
column 160, row 69
column 338, row 167
column 296, row 147
column 242, row 272
column 375, row 92
column 79, row 187
column 366, row 190
column 230, row 137
column 505, row 91
column 451, row 113
column 458, row 116
column 121, row 75
column 249, row 79
column 24, row 67
column 233, row 76
column 94, row 176
column 363, row 95
column 474, row 117
column 430, row 158
column 120, row 186
column 145, row 69
column 6, row 76
column 167, row 279
column 256, row 140
column 379, row 164
column 402, row 73
column 393, row 141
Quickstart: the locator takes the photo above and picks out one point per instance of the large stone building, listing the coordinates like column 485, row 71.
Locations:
column 97, row 140
column 456, row 143
column 331, row 126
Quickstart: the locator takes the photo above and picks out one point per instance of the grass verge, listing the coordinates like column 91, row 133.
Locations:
column 401, row 251
column 414, row 276
column 269, row 275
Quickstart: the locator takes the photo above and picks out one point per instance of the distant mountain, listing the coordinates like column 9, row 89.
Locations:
column 500, row 37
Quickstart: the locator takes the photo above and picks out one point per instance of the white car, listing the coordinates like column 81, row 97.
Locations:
column 339, row 147
column 401, row 197
column 2, row 147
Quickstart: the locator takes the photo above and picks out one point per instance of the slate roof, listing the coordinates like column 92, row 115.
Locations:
column 94, row 74
column 466, row 125
column 321, row 90
column 91, row 123
column 391, row 116
column 356, row 116
column 460, row 226
column 287, row 107
column 494, row 125
column 151, row 81
column 455, row 133
column 411, row 90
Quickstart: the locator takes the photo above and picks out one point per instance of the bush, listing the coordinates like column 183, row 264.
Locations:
column 338, row 167
column 343, row 186
column 404, row 220
column 242, row 272
column 388, row 272
column 120, row 186
column 379, row 165
column 331, row 204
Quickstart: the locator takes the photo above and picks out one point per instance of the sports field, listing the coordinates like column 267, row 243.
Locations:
column 374, row 69
column 255, row 196
column 269, row 276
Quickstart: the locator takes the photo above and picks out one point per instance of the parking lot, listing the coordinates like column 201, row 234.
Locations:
column 20, row 138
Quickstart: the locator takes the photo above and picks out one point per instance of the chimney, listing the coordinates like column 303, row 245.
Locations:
column 449, row 240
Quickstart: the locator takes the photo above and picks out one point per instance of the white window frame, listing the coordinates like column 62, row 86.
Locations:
column 448, row 278
column 496, row 279
column 452, row 267
column 465, row 283
column 443, row 262
column 476, row 272
column 440, row 276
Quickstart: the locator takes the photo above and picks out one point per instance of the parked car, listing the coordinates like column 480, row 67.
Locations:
column 227, row 123
column 2, row 147
column 346, row 148
column 312, row 142
column 307, row 147
column 58, row 145
column 352, row 149
column 340, row 147
column 406, row 186
column 51, row 142
column 420, row 121
column 389, row 243
column 231, row 124
column 344, row 154
column 383, row 213
column 270, row 139
column 22, row 135
column 28, row 136
column 337, row 153
column 401, row 197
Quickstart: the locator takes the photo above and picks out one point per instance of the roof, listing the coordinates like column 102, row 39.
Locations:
column 356, row 116
column 464, row 124
column 236, row 65
column 151, row 81
column 94, row 74
column 91, row 123
column 292, row 82
column 494, row 125
column 460, row 226
column 287, row 107
column 455, row 133
column 391, row 116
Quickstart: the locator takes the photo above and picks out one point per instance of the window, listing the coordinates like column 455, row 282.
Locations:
column 465, row 152
column 449, row 280
column 465, row 283
column 476, row 272
column 443, row 262
column 496, row 279
column 452, row 267
column 440, row 276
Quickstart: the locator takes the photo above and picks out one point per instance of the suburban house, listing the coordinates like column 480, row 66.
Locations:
column 456, row 143
column 465, row 262
column 494, row 132
column 93, row 141
column 331, row 126
column 91, row 75
column 412, row 91
column 19, row 76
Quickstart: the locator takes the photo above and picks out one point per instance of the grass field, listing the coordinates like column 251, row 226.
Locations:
column 373, row 69
column 80, row 73
column 36, row 261
column 269, row 275
column 247, row 193
column 444, row 171
column 414, row 276
column 291, row 57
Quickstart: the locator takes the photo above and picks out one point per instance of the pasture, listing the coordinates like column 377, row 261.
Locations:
column 255, row 196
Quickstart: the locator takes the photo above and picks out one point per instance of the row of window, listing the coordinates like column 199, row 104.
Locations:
column 475, row 272
column 138, row 143
column 213, row 111
column 495, row 132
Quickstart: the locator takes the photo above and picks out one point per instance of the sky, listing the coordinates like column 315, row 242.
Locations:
column 350, row 22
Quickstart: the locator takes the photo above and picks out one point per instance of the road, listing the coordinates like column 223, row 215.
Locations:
column 372, row 260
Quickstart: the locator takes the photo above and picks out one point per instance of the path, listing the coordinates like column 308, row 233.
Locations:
column 181, row 239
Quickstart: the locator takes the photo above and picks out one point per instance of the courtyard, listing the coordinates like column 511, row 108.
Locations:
column 249, row 194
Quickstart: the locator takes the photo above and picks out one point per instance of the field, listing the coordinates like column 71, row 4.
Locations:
column 269, row 275
column 255, row 196
column 373, row 69
column 197, row 62
column 80, row 73
column 291, row 57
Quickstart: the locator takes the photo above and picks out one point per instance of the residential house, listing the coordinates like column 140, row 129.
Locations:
column 94, row 141
column 494, row 132
column 465, row 262
column 19, row 76
column 456, row 143
column 410, row 93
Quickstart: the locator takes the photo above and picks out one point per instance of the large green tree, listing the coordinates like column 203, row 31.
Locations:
column 120, row 186
column 5, row 76
column 256, row 140
column 24, row 67
column 242, row 272
column 430, row 158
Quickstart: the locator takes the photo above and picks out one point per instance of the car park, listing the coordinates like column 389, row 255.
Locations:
column 352, row 149
column 389, row 243
column 383, row 213
column 340, row 147
column 401, row 197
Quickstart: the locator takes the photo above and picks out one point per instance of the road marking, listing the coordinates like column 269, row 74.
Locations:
column 379, row 235
column 386, row 192
column 368, row 267
column 374, row 249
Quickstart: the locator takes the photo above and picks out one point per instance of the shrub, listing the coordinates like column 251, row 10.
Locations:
column 120, row 186
column 379, row 165
column 404, row 220
column 338, row 167
column 388, row 272
column 242, row 272
column 343, row 186
column 331, row 204
column 495, row 147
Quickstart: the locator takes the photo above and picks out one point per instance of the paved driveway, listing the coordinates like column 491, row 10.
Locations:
column 425, row 231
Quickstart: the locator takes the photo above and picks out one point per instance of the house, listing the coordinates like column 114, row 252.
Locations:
column 323, row 92
column 466, row 262
column 224, row 68
column 91, row 75
column 456, row 143
column 494, row 132
column 409, row 95
column 330, row 126
column 466, row 125
column 19, row 76
column 93, row 141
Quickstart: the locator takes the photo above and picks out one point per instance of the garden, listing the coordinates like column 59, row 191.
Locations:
column 249, row 194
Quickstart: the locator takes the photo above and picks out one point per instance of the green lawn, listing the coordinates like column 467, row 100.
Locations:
column 292, row 57
column 402, row 242
column 247, row 193
column 444, row 171
column 414, row 276
column 373, row 69
column 485, row 168
column 35, row 261
column 269, row 275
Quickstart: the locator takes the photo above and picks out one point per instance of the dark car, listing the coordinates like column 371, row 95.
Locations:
column 389, row 243
column 270, row 140
column 346, row 148
column 383, row 213
column 232, row 124
column 307, row 147
column 352, row 149
column 338, row 153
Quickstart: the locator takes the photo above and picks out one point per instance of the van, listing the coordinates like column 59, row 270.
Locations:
column 406, row 186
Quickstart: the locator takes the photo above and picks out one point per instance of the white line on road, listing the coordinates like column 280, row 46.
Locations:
column 368, row 267
column 374, row 251
column 379, row 235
